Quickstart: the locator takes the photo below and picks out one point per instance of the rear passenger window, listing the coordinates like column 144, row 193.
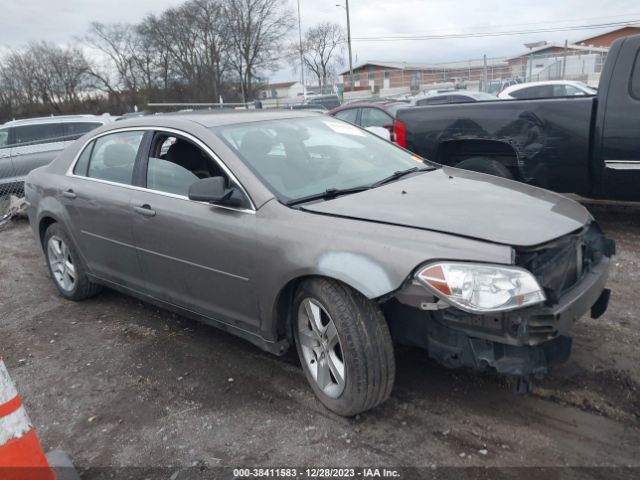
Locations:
column 83, row 161
column 37, row 134
column 114, row 156
column 634, row 85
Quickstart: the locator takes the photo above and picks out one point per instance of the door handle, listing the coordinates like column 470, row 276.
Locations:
column 69, row 194
column 145, row 210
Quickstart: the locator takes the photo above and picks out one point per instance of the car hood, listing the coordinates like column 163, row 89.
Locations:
column 464, row 203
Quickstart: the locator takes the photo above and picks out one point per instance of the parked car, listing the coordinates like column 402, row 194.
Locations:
column 318, row 108
column 454, row 96
column 547, row 89
column 325, row 101
column 369, row 114
column 587, row 145
column 289, row 228
column 27, row 144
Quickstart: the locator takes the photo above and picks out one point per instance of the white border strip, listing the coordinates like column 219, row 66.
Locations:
column 7, row 389
column 14, row 425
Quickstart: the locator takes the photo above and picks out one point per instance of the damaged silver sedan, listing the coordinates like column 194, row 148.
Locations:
column 297, row 229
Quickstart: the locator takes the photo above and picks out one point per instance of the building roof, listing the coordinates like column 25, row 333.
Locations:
column 550, row 45
column 276, row 86
column 475, row 63
column 586, row 41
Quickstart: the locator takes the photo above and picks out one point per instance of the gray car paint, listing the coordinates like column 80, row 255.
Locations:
column 254, row 257
column 483, row 207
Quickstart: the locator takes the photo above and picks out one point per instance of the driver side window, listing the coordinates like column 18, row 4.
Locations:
column 176, row 163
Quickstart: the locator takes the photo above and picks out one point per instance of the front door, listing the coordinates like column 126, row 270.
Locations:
column 620, row 154
column 194, row 255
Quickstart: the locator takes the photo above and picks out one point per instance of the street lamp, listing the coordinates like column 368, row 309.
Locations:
column 348, row 41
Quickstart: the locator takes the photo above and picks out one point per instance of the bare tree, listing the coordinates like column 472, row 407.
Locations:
column 195, row 41
column 118, row 42
column 322, row 51
column 257, row 30
column 44, row 74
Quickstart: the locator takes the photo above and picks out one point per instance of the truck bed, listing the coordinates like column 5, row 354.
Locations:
column 547, row 141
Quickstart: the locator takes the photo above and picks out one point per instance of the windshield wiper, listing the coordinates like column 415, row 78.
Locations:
column 400, row 174
column 328, row 194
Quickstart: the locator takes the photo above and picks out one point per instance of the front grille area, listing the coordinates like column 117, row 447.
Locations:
column 561, row 264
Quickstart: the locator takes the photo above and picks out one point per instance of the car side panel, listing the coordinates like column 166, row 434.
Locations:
column 198, row 256
column 373, row 258
column 7, row 173
column 27, row 157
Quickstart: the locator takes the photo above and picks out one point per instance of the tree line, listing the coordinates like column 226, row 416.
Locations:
column 200, row 51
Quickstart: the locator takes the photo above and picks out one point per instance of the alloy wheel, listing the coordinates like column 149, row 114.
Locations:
column 321, row 347
column 62, row 268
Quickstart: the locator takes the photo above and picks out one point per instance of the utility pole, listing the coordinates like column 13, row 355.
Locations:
column 349, row 44
column 564, row 60
column 304, row 88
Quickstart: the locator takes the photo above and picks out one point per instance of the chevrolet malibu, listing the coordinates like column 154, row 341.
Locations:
column 290, row 228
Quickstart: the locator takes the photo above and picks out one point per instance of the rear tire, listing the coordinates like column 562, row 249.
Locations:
column 487, row 165
column 68, row 273
column 350, row 339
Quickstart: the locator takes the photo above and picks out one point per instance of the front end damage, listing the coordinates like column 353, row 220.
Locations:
column 572, row 270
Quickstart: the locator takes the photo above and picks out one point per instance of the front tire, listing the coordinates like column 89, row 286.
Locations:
column 344, row 345
column 67, row 271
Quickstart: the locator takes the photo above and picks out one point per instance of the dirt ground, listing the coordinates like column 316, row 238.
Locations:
column 118, row 383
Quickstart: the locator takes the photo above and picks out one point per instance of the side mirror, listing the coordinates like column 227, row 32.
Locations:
column 214, row 190
column 380, row 131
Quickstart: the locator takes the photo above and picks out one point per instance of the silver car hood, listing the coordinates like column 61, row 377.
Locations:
column 464, row 203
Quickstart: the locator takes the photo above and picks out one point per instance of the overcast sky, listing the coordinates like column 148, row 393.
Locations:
column 22, row 21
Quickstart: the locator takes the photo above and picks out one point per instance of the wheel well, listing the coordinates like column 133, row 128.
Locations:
column 45, row 223
column 455, row 151
column 282, row 309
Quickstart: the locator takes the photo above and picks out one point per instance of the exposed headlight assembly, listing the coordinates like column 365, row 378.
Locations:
column 478, row 288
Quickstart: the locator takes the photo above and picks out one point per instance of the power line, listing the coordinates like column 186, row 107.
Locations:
column 391, row 38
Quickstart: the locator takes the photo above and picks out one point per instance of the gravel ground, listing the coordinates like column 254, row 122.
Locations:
column 119, row 383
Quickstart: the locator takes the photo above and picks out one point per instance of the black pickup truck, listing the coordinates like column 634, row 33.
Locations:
column 584, row 145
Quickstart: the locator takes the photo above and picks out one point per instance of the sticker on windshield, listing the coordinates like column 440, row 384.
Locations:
column 344, row 128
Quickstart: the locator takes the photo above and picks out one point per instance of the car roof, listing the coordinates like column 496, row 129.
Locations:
column 382, row 105
column 59, row 119
column 518, row 86
column 222, row 118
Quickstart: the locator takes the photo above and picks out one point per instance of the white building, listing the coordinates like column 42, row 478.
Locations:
column 281, row 91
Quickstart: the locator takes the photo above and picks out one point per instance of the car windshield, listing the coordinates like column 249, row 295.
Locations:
column 298, row 158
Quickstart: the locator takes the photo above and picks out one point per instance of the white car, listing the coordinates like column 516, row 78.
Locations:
column 547, row 89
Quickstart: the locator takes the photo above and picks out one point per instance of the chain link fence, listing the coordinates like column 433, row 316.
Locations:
column 483, row 74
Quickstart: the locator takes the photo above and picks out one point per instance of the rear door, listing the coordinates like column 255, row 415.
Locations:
column 618, row 168
column 97, row 196
column 194, row 255
column 35, row 145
